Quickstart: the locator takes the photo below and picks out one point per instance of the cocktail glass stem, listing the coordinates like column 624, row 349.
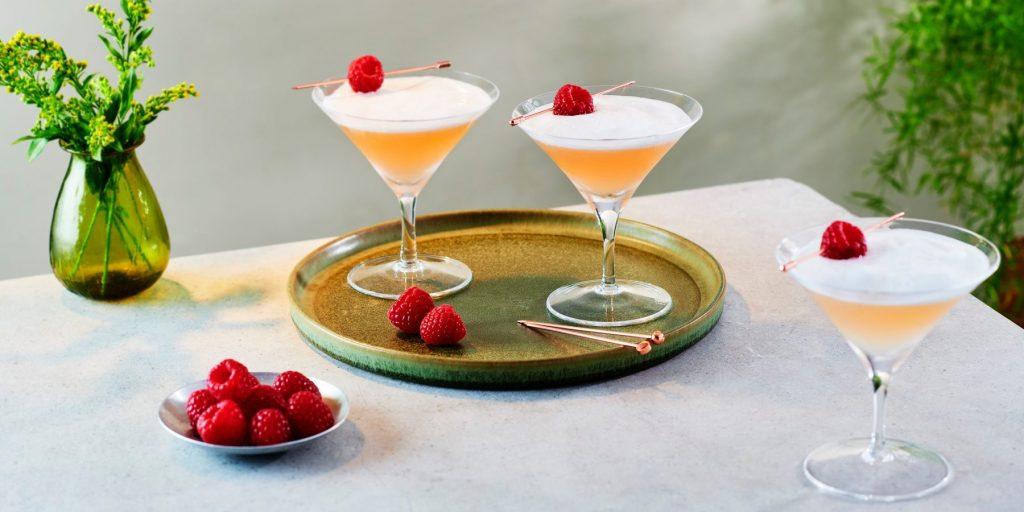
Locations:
column 877, row 451
column 609, row 301
column 407, row 254
column 609, row 220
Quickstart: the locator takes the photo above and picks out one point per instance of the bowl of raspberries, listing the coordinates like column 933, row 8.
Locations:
column 250, row 413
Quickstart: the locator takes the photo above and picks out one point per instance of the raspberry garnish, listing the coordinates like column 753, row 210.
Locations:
column 308, row 414
column 198, row 402
column 223, row 423
column 842, row 241
column 291, row 382
column 231, row 380
column 442, row 326
column 269, row 426
column 408, row 311
column 263, row 397
column 365, row 74
column 572, row 100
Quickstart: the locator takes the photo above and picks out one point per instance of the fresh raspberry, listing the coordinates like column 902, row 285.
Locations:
column 842, row 241
column 263, row 397
column 223, row 423
column 269, row 426
column 198, row 402
column 365, row 74
column 573, row 100
column 408, row 311
column 442, row 326
column 308, row 414
column 231, row 380
column 291, row 382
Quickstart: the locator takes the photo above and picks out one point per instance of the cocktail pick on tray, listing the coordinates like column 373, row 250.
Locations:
column 441, row 64
column 785, row 267
column 642, row 347
column 518, row 119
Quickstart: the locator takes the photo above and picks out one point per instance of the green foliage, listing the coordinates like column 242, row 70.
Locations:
column 102, row 116
column 949, row 81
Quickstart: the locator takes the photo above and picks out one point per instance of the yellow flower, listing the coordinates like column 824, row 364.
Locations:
column 101, row 133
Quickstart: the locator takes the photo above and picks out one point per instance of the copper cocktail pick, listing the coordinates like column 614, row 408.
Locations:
column 518, row 119
column 657, row 337
column 643, row 347
column 792, row 263
column 441, row 64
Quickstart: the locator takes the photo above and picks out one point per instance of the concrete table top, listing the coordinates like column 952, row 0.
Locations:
column 723, row 426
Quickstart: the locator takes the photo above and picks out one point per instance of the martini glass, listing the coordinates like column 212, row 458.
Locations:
column 406, row 152
column 883, row 328
column 607, row 172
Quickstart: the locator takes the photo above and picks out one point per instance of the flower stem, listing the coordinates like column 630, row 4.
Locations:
column 88, row 235
column 135, row 205
column 106, row 252
column 129, row 238
column 108, row 195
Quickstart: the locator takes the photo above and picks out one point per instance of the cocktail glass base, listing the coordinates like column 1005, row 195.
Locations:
column 594, row 303
column 387, row 277
column 905, row 471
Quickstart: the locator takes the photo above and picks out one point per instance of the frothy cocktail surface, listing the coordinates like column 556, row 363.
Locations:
column 433, row 102
column 615, row 119
column 904, row 262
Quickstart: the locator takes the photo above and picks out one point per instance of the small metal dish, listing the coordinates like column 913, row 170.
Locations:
column 173, row 418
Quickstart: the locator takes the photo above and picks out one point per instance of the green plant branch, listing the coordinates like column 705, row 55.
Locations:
column 947, row 78
column 101, row 117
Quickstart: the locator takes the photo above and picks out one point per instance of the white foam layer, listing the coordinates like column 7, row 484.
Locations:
column 410, row 103
column 901, row 266
column 618, row 122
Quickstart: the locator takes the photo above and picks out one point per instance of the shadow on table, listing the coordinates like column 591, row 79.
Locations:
column 153, row 323
column 688, row 368
column 331, row 452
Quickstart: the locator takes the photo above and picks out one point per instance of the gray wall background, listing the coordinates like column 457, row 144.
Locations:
column 253, row 163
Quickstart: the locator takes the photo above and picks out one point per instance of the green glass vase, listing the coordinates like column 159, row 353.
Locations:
column 108, row 238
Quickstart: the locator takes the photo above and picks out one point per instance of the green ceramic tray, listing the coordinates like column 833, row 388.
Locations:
column 517, row 257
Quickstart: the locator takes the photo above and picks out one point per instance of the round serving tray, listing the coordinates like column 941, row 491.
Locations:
column 517, row 257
